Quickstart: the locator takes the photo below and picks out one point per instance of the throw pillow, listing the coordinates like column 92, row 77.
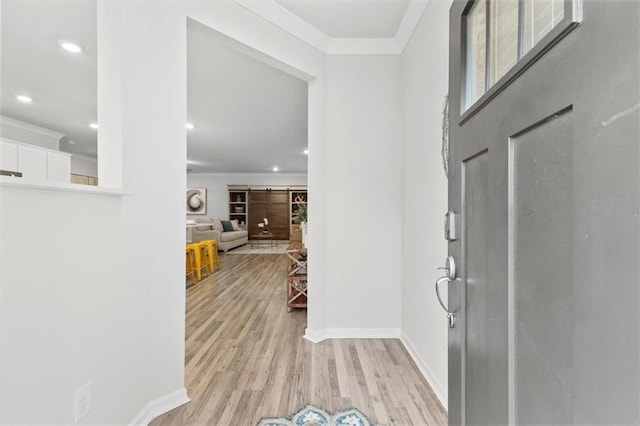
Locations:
column 236, row 226
column 217, row 224
column 227, row 226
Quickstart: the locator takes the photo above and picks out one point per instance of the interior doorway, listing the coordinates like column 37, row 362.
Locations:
column 247, row 137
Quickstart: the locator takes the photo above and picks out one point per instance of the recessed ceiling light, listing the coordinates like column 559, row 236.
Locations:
column 24, row 98
column 305, row 152
column 94, row 126
column 72, row 142
column 275, row 168
column 190, row 126
column 70, row 46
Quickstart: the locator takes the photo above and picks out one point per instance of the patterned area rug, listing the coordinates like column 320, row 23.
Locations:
column 262, row 247
column 312, row 416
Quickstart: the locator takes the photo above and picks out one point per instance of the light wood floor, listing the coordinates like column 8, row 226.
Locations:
column 246, row 358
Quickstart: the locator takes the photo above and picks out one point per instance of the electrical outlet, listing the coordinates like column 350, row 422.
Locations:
column 83, row 401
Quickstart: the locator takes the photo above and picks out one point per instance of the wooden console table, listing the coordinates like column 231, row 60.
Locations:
column 297, row 283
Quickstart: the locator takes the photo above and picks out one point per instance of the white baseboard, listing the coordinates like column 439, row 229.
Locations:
column 160, row 406
column 317, row 336
column 363, row 333
column 426, row 372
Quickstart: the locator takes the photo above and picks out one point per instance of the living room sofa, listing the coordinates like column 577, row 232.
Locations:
column 210, row 228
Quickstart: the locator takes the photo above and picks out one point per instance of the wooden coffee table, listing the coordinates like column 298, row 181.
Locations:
column 256, row 238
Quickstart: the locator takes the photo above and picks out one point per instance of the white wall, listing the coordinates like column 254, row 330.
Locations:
column 84, row 165
column 218, row 193
column 83, row 295
column 424, row 200
column 99, row 307
column 67, row 313
column 364, row 202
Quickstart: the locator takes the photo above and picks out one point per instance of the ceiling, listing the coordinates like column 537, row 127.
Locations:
column 248, row 116
column 63, row 86
column 352, row 18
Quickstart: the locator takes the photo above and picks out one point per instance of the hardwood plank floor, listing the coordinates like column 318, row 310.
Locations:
column 246, row 358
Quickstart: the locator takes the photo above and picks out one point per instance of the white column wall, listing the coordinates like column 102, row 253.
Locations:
column 424, row 200
column 153, row 105
column 364, row 203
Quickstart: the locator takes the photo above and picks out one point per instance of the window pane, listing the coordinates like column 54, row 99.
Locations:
column 540, row 16
column 476, row 52
column 503, row 29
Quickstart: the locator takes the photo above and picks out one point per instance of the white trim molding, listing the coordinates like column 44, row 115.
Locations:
column 252, row 174
column 289, row 22
column 437, row 387
column 364, row 46
column 410, row 22
column 84, row 157
column 317, row 336
column 302, row 30
column 160, row 406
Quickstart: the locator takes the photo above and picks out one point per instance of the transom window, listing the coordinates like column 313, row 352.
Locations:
column 500, row 33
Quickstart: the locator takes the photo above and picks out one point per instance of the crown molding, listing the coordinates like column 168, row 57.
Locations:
column 410, row 22
column 364, row 46
column 31, row 127
column 302, row 30
column 83, row 157
column 289, row 22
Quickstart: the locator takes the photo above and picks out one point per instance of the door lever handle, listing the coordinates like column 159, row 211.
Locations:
column 451, row 315
column 450, row 269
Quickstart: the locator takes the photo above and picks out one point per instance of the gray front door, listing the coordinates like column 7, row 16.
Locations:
column 544, row 178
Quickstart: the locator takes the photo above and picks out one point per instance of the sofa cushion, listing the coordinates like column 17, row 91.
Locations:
column 233, row 235
column 236, row 226
column 227, row 226
column 204, row 224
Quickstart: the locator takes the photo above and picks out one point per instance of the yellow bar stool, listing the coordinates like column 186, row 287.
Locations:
column 212, row 253
column 190, row 263
column 198, row 249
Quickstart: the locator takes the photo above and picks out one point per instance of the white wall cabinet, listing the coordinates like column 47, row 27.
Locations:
column 58, row 167
column 35, row 163
column 8, row 156
column 32, row 163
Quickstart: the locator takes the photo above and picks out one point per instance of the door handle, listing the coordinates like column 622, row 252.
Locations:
column 451, row 276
